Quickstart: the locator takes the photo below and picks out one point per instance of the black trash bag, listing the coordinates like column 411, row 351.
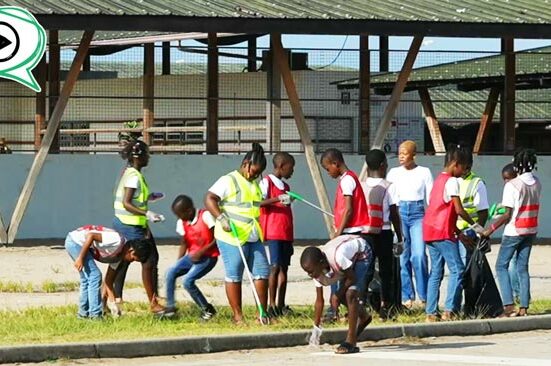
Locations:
column 482, row 298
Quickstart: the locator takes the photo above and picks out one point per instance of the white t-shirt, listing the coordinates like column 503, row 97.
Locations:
column 208, row 219
column 344, row 256
column 110, row 241
column 132, row 182
column 264, row 184
column 480, row 199
column 348, row 185
column 413, row 184
column 451, row 189
column 511, row 199
column 389, row 199
column 221, row 188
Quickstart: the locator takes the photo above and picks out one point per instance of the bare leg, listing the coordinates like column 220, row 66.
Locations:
column 282, row 287
column 233, row 292
column 273, row 284
column 262, row 290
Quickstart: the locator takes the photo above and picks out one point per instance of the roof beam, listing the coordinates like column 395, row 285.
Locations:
column 249, row 25
column 432, row 122
column 486, row 119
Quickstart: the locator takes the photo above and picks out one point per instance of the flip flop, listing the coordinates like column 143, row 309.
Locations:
column 363, row 325
column 346, row 348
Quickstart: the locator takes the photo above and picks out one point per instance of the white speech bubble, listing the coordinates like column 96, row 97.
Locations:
column 18, row 25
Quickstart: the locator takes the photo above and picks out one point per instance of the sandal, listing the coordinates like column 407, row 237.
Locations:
column 346, row 348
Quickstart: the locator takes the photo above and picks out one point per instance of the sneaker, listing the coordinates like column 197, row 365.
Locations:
column 286, row 310
column 208, row 312
column 82, row 317
column 169, row 312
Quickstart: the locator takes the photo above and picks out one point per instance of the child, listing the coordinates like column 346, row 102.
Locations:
column 132, row 215
column 345, row 259
column 508, row 173
column 474, row 198
column 381, row 203
column 197, row 257
column 236, row 197
column 439, row 232
column 521, row 199
column 276, row 220
column 106, row 246
column 350, row 208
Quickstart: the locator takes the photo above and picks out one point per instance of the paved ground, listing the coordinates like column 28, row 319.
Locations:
column 38, row 264
column 518, row 349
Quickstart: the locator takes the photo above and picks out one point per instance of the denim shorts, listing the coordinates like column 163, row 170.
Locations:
column 233, row 264
column 280, row 252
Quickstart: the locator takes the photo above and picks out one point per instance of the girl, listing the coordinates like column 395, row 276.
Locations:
column 521, row 199
column 132, row 215
column 413, row 184
column 439, row 232
column 236, row 196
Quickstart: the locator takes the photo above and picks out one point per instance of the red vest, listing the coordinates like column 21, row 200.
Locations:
column 440, row 218
column 276, row 219
column 374, row 198
column 526, row 221
column 359, row 206
column 198, row 235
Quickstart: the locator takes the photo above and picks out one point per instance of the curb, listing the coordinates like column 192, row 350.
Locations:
column 207, row 344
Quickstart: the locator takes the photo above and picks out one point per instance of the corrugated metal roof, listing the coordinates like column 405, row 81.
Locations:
column 478, row 11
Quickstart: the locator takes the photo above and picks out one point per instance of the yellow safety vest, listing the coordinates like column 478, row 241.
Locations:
column 139, row 199
column 467, row 191
column 242, row 206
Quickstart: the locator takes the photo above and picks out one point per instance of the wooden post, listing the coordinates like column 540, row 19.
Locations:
column 148, row 90
column 383, row 53
column 432, row 122
column 212, row 95
column 40, row 102
column 53, row 126
column 273, row 105
column 166, row 58
column 53, row 81
column 364, row 97
column 486, row 119
column 251, row 54
column 508, row 99
column 294, row 101
column 3, row 232
column 397, row 91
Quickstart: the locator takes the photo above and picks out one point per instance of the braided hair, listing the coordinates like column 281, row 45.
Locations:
column 461, row 154
column 134, row 149
column 255, row 156
column 525, row 161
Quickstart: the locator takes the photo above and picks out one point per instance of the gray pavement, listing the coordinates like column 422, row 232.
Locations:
column 38, row 264
column 508, row 349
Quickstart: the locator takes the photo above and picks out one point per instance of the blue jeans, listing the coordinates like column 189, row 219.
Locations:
column 522, row 245
column 89, row 304
column 414, row 256
column 191, row 272
column 444, row 252
column 233, row 264
column 515, row 283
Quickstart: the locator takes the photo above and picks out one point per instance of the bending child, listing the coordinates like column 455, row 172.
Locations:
column 197, row 256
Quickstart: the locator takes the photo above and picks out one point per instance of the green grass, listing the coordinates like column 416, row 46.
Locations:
column 60, row 325
column 48, row 286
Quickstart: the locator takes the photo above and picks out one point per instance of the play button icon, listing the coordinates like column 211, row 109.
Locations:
column 9, row 42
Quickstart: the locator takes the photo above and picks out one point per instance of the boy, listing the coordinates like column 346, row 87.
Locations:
column 197, row 256
column 474, row 198
column 106, row 246
column 350, row 208
column 508, row 173
column 381, row 203
column 276, row 220
column 345, row 259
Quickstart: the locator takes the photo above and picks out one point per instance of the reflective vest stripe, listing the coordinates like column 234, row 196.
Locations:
column 529, row 208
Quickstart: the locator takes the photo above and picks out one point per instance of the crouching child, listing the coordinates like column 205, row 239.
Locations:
column 91, row 243
column 344, row 260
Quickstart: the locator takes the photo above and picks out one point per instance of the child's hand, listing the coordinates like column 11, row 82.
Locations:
column 224, row 222
column 78, row 264
column 284, row 199
column 154, row 217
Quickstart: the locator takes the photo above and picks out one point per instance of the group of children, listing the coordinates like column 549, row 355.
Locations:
column 241, row 217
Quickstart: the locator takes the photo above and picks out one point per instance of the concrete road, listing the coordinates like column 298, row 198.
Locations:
column 512, row 349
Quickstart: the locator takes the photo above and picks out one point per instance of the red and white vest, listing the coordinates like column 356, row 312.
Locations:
column 330, row 250
column 198, row 235
column 526, row 220
column 102, row 252
column 276, row 219
column 374, row 198
column 359, row 206
column 440, row 218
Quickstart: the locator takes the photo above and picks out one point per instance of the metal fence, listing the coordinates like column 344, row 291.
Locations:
column 110, row 92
